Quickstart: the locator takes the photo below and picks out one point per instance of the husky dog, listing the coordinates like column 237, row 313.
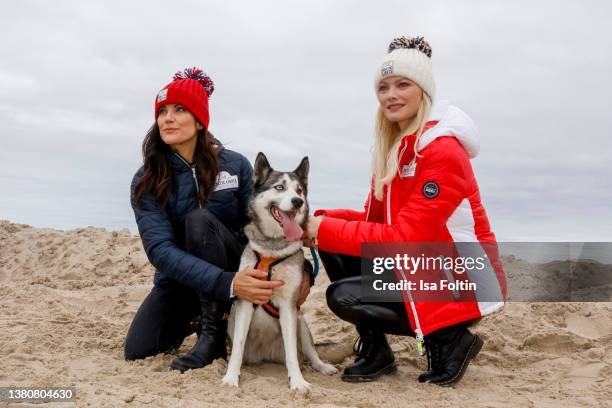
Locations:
column 272, row 332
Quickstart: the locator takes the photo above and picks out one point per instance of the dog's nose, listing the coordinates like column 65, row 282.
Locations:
column 297, row 202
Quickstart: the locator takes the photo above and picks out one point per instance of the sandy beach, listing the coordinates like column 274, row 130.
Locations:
column 68, row 298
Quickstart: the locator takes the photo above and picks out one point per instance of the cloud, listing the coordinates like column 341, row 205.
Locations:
column 292, row 79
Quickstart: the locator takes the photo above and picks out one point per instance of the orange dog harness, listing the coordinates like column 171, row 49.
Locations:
column 266, row 264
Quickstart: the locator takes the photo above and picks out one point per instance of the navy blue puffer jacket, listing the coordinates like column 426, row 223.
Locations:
column 163, row 231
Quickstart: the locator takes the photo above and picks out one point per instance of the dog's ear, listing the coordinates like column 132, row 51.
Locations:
column 302, row 170
column 262, row 169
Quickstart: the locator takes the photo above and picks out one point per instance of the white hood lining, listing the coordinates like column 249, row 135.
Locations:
column 452, row 121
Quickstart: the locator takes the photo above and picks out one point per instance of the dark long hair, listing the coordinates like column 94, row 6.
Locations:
column 157, row 178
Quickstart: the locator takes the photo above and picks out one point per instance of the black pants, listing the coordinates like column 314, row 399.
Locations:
column 344, row 298
column 165, row 317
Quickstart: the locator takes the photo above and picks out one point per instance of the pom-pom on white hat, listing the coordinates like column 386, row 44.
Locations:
column 410, row 58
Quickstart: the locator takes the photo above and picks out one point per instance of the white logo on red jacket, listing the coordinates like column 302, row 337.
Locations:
column 408, row 170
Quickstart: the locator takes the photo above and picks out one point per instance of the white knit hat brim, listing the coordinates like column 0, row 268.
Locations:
column 409, row 63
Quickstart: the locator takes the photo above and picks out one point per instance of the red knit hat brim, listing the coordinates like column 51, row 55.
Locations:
column 186, row 92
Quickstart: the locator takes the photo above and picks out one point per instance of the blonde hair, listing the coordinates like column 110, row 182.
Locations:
column 387, row 140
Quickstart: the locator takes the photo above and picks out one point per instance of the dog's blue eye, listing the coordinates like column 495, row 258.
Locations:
column 279, row 187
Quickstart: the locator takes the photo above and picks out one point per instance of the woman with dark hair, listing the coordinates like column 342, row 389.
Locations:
column 423, row 190
column 190, row 200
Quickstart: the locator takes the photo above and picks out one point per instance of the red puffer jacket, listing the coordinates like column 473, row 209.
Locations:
column 433, row 198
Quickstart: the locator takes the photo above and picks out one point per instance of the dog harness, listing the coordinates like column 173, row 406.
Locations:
column 265, row 264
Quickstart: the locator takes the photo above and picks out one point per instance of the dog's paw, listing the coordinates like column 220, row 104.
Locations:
column 325, row 368
column 231, row 380
column 299, row 384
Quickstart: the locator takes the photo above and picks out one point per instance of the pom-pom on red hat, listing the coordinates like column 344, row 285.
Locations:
column 190, row 88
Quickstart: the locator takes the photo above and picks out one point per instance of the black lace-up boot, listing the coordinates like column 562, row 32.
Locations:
column 211, row 339
column 432, row 363
column 452, row 349
column 374, row 358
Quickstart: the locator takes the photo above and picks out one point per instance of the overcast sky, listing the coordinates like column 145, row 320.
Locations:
column 78, row 81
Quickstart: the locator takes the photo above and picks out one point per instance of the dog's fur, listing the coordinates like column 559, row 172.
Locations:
column 256, row 336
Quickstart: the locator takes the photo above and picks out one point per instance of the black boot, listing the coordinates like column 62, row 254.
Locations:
column 194, row 326
column 452, row 348
column 211, row 339
column 432, row 363
column 374, row 358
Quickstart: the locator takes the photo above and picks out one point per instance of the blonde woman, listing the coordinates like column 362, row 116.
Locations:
column 423, row 190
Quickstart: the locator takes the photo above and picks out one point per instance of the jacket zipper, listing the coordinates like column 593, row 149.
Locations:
column 401, row 156
column 389, row 204
column 195, row 178
column 420, row 339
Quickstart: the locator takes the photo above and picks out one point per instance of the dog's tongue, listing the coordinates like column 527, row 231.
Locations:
column 293, row 232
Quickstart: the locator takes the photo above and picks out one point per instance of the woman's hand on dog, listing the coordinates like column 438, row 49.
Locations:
column 250, row 284
column 312, row 231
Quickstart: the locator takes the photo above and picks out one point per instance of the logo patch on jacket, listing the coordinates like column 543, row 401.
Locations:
column 387, row 68
column 431, row 189
column 225, row 181
column 408, row 170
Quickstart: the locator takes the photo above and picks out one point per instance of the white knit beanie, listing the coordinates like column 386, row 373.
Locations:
column 410, row 58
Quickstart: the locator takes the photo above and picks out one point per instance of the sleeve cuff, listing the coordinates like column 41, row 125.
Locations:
column 223, row 286
column 325, row 236
column 232, row 294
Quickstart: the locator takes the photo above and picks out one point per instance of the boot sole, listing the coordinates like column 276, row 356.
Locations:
column 390, row 369
column 181, row 368
column 472, row 353
column 176, row 364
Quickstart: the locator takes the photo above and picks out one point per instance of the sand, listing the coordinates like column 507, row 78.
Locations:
column 68, row 298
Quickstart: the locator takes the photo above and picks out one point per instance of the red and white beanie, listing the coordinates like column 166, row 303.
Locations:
column 409, row 58
column 191, row 89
